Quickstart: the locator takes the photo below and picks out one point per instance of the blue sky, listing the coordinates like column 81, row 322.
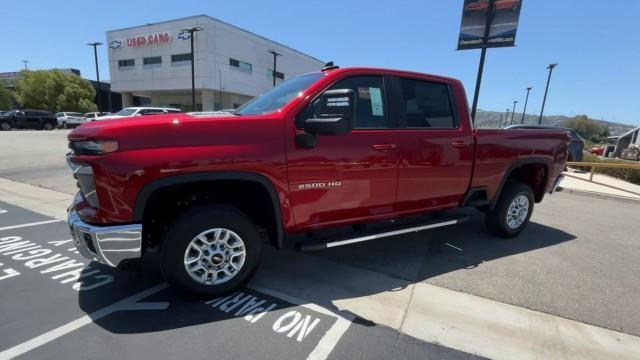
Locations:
column 596, row 43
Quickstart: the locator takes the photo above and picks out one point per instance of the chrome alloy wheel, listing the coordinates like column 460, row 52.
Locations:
column 518, row 211
column 214, row 256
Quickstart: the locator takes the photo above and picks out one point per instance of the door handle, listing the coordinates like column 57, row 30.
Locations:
column 384, row 147
column 460, row 144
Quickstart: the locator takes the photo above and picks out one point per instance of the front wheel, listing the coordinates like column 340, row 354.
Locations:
column 48, row 126
column 512, row 212
column 211, row 250
column 5, row 126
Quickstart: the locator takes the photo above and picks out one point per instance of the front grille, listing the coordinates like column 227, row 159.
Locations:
column 88, row 188
column 85, row 181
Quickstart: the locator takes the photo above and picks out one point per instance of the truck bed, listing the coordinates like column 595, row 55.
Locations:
column 498, row 150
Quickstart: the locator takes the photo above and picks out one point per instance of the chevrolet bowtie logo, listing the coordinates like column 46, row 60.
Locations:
column 115, row 44
column 184, row 35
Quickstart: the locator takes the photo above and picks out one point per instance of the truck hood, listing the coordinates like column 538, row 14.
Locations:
column 171, row 130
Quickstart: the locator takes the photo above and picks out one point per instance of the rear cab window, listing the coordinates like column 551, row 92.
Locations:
column 427, row 104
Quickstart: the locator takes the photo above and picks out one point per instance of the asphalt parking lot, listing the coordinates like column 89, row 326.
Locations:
column 578, row 260
column 56, row 305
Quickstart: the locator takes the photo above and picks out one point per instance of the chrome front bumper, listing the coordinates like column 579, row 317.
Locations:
column 109, row 245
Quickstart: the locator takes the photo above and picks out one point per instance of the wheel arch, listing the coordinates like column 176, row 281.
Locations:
column 514, row 173
column 158, row 186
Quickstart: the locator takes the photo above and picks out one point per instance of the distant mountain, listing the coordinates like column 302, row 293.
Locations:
column 490, row 119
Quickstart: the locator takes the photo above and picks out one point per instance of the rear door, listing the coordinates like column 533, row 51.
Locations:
column 31, row 119
column 435, row 145
column 351, row 177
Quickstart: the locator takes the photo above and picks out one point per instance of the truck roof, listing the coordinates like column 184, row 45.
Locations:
column 385, row 70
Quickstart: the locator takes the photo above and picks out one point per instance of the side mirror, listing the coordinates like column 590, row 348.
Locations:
column 334, row 115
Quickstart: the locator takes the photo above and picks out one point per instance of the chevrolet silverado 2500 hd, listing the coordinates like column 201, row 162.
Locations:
column 335, row 148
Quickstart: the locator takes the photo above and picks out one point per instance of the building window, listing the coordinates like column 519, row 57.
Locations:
column 180, row 58
column 129, row 63
column 156, row 60
column 240, row 65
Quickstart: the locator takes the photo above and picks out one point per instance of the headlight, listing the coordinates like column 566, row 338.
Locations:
column 93, row 147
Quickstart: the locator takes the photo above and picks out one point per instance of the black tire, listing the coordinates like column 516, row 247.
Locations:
column 496, row 219
column 48, row 126
column 5, row 126
column 195, row 221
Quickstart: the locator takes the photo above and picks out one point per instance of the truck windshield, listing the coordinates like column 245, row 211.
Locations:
column 279, row 96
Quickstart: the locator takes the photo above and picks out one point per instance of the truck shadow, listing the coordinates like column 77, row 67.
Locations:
column 330, row 276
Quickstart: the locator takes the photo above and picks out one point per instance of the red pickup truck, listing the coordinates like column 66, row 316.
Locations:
column 339, row 148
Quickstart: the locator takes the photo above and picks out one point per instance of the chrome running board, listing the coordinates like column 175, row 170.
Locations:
column 362, row 237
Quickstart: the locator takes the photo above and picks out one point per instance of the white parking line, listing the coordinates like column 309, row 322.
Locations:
column 129, row 303
column 331, row 337
column 29, row 224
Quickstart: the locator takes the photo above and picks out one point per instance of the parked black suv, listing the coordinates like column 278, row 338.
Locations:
column 28, row 119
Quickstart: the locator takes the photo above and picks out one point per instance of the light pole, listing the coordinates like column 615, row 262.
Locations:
column 506, row 118
column 25, row 63
column 220, row 82
column 544, row 99
column 95, row 57
column 275, row 56
column 191, row 31
column 513, row 112
column 487, row 27
column 500, row 122
column 526, row 100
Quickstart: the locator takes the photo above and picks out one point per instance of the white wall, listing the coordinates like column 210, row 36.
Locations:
column 214, row 46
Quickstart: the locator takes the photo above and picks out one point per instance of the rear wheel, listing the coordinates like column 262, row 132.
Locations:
column 5, row 126
column 211, row 251
column 512, row 211
column 48, row 126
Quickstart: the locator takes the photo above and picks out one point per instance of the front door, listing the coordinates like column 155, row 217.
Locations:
column 347, row 178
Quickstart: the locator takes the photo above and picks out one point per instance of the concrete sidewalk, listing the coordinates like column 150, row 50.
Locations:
column 426, row 312
column 602, row 185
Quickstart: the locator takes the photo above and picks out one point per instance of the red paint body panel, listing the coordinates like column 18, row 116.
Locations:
column 367, row 174
column 498, row 149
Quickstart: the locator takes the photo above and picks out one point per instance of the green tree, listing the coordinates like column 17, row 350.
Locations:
column 55, row 90
column 5, row 98
column 589, row 129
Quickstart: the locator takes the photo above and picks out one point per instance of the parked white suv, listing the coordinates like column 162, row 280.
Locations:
column 70, row 119
column 139, row 111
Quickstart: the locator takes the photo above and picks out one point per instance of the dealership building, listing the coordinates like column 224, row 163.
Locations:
column 150, row 64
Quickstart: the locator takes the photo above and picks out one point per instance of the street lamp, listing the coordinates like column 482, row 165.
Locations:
column 193, row 74
column 513, row 112
column 526, row 100
column 544, row 100
column 506, row 118
column 25, row 63
column 95, row 57
column 275, row 56
column 500, row 122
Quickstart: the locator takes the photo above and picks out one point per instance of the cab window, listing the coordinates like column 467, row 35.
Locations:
column 427, row 104
column 369, row 102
